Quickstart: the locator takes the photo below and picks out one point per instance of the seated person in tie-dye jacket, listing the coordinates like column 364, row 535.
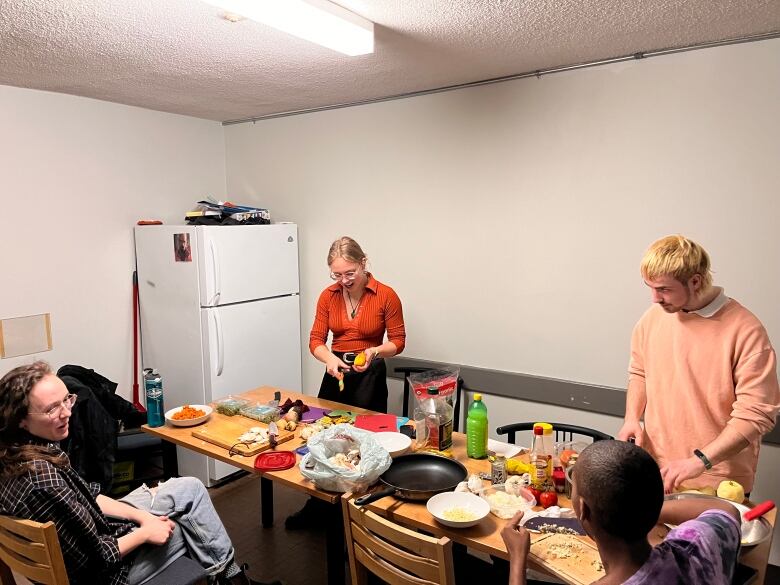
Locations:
column 618, row 496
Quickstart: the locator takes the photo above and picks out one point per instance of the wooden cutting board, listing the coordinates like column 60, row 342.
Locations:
column 224, row 431
column 582, row 564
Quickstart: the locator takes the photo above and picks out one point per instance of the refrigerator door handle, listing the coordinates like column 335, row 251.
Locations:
column 220, row 344
column 215, row 273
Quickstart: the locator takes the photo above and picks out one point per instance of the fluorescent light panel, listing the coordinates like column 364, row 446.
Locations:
column 317, row 21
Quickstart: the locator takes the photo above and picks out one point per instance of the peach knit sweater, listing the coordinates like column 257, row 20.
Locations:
column 701, row 374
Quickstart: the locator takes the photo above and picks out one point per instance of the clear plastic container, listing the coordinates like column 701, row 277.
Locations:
column 505, row 505
column 261, row 412
column 230, row 405
column 564, row 451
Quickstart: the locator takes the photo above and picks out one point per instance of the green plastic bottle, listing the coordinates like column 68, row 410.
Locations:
column 477, row 429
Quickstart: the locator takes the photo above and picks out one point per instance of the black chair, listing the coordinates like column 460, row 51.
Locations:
column 144, row 451
column 182, row 571
column 407, row 389
column 563, row 431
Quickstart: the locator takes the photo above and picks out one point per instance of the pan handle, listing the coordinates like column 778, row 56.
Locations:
column 373, row 497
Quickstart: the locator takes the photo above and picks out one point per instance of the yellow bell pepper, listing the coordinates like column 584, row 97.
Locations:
column 517, row 467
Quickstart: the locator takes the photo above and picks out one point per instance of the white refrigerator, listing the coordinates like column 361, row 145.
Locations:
column 219, row 315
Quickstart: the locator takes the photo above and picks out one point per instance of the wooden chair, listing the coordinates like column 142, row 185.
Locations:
column 563, row 431
column 395, row 554
column 32, row 550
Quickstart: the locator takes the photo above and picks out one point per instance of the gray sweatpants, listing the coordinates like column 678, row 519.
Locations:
column 199, row 531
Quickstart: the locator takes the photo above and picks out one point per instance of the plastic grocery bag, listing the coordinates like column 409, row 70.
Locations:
column 327, row 474
column 444, row 379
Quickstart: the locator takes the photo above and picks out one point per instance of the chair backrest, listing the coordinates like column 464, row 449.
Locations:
column 32, row 550
column 395, row 554
column 563, row 431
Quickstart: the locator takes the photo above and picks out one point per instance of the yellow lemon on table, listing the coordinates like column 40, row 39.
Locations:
column 731, row 490
column 360, row 359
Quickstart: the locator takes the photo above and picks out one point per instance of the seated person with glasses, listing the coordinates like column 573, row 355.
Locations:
column 118, row 542
column 618, row 496
column 358, row 310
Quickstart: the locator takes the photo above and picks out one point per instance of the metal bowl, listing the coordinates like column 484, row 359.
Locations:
column 753, row 532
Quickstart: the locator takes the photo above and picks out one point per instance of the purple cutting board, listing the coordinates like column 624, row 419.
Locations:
column 314, row 413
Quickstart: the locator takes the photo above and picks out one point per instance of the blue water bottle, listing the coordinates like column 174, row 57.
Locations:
column 155, row 411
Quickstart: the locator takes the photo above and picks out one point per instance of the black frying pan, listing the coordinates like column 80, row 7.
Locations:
column 418, row 477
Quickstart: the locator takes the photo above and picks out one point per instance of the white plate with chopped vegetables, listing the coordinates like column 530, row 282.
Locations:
column 458, row 509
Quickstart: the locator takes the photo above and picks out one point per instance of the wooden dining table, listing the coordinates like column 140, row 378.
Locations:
column 552, row 554
column 290, row 478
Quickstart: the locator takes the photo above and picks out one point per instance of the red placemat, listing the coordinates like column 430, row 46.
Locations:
column 377, row 422
column 275, row 460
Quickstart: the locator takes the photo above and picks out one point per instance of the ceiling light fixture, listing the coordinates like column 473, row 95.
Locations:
column 317, row 21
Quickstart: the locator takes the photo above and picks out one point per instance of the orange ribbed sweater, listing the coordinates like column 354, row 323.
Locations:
column 701, row 374
column 379, row 311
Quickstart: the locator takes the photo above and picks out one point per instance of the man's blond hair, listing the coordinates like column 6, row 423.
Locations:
column 679, row 257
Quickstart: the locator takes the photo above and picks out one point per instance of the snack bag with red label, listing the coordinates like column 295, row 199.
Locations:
column 434, row 390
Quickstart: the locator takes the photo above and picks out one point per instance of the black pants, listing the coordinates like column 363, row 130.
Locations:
column 362, row 389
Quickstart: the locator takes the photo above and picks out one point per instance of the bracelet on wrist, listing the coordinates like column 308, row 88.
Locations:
column 704, row 459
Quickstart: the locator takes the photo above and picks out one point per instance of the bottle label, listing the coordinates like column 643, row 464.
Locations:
column 541, row 463
column 498, row 471
column 155, row 411
column 439, row 434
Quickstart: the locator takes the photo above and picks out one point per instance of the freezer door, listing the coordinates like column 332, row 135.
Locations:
column 245, row 263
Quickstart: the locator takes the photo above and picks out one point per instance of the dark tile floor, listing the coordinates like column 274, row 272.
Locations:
column 297, row 557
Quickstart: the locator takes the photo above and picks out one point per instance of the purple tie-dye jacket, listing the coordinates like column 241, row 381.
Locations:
column 702, row 550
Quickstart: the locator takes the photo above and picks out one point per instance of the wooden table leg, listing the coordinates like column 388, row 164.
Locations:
column 267, row 502
column 335, row 544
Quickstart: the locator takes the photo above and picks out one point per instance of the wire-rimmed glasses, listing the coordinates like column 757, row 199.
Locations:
column 54, row 411
column 348, row 276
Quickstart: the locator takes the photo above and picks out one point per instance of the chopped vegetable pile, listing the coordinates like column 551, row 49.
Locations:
column 187, row 412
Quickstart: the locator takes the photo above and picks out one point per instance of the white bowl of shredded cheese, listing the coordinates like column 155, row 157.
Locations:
column 458, row 509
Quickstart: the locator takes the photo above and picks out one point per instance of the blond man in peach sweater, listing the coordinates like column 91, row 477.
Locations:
column 702, row 375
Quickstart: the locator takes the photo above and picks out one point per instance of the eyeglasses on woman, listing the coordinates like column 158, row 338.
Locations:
column 56, row 410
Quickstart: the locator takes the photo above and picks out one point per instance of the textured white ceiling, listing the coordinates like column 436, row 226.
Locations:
column 180, row 56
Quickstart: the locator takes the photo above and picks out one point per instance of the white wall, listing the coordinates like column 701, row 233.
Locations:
column 511, row 218
column 76, row 174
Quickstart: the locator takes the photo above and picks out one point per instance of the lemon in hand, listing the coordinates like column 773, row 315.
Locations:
column 360, row 359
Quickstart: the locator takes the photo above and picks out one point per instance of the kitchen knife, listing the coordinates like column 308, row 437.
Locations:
column 273, row 432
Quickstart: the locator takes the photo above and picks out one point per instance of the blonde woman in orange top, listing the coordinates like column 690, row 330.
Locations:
column 358, row 310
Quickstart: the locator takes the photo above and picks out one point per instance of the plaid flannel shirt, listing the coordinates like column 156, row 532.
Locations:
column 87, row 537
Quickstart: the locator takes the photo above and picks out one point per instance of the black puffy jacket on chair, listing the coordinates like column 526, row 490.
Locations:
column 94, row 424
